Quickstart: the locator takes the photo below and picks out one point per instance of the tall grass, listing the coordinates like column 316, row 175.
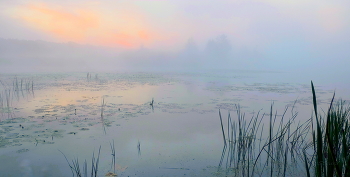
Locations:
column 75, row 166
column 249, row 152
column 331, row 141
column 319, row 147
column 286, row 143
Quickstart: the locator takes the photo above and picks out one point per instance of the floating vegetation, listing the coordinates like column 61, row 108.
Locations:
column 22, row 151
column 110, row 174
column 3, row 142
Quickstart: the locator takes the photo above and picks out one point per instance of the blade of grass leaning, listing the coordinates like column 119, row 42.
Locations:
column 70, row 166
column 222, row 128
column 318, row 141
column 306, row 165
column 95, row 163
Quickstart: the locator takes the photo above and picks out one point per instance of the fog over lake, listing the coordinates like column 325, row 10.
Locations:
column 159, row 85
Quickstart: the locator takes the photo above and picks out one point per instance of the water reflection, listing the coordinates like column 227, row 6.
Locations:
column 174, row 116
column 13, row 90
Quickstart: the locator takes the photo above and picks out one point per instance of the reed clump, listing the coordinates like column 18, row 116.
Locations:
column 249, row 150
column 318, row 147
column 331, row 141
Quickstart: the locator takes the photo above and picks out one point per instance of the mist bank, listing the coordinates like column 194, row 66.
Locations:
column 43, row 56
column 217, row 54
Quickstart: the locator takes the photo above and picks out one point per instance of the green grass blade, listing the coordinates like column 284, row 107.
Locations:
column 319, row 147
column 306, row 165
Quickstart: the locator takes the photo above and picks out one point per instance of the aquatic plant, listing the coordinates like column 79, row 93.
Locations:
column 151, row 103
column 245, row 152
column 103, row 104
column 326, row 154
column 331, row 141
column 113, row 156
column 88, row 76
column 75, row 166
column 139, row 147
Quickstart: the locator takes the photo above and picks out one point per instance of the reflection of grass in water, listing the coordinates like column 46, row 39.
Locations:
column 6, row 98
column 19, row 88
column 286, row 144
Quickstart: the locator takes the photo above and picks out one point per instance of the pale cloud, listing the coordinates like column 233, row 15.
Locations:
column 168, row 24
column 59, row 22
column 92, row 23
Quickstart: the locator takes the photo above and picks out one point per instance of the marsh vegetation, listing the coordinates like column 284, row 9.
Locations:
column 317, row 147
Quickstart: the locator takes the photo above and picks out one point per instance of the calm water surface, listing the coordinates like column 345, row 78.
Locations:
column 180, row 134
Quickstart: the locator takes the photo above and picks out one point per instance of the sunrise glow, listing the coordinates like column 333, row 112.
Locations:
column 87, row 26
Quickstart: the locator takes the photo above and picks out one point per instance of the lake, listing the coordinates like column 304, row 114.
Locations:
column 159, row 124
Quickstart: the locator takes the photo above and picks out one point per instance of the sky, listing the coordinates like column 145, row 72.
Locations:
column 182, row 34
